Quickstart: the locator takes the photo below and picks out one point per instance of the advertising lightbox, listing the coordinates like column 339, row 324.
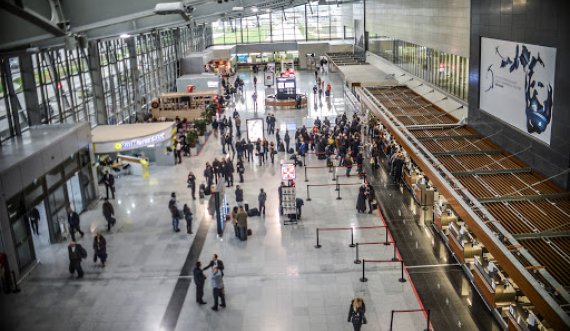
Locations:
column 516, row 85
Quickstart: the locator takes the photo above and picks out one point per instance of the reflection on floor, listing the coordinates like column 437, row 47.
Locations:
column 276, row 280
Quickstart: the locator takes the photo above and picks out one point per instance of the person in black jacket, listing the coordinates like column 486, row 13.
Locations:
column 108, row 213
column 199, row 279
column 192, row 184
column 356, row 313
column 239, row 195
column 240, row 170
column 73, row 220
column 76, row 254
column 34, row 220
column 109, row 181
column 100, row 249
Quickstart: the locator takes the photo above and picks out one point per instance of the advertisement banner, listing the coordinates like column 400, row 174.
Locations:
column 254, row 129
column 516, row 85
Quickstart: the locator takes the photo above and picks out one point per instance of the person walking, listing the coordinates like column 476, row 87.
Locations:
column 261, row 198
column 109, row 181
column 239, row 195
column 356, row 313
column 192, row 184
column 76, row 254
column 34, row 220
column 217, row 282
column 73, row 220
column 99, row 249
column 254, row 97
column 242, row 223
column 272, row 152
column 188, row 217
column 108, row 213
column 199, row 280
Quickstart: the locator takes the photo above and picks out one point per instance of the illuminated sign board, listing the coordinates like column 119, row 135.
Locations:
column 287, row 171
column 141, row 142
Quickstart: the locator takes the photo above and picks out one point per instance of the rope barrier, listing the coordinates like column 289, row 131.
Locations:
column 426, row 311
column 364, row 279
column 352, row 244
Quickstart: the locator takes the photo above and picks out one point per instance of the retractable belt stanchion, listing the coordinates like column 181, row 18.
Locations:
column 352, row 244
column 364, row 279
column 357, row 259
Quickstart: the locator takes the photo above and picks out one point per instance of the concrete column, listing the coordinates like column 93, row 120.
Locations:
column 30, row 90
column 12, row 100
column 97, row 83
column 8, row 246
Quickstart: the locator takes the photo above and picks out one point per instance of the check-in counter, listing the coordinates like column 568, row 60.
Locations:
column 410, row 176
column 462, row 244
column 423, row 194
column 442, row 217
column 522, row 319
column 492, row 284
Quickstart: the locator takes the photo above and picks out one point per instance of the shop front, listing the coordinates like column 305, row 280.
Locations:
column 130, row 148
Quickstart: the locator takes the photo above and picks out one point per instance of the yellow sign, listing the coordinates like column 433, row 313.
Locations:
column 118, row 146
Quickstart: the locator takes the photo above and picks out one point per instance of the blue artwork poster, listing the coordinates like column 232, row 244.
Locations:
column 517, row 85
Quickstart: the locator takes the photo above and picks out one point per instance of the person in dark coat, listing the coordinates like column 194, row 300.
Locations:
column 286, row 139
column 188, row 217
column 249, row 151
column 261, row 198
column 370, row 196
column 229, row 171
column 361, row 200
column 34, row 220
column 239, row 195
column 73, row 220
column 356, row 313
column 109, row 181
column 192, row 184
column 199, row 280
column 240, row 170
column 108, row 213
column 76, row 254
column 100, row 249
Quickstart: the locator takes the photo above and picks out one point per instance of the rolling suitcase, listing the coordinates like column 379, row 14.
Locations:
column 249, row 233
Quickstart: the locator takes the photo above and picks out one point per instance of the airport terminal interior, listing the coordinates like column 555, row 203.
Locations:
column 284, row 165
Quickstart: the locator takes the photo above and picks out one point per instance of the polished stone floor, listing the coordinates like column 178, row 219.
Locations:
column 276, row 280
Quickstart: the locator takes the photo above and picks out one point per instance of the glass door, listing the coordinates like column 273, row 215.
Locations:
column 57, row 212
column 21, row 232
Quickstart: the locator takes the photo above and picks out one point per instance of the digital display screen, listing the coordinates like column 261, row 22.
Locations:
column 290, row 85
column 280, row 85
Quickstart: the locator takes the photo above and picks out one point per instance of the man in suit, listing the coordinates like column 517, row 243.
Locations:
column 215, row 262
column 73, row 220
column 76, row 254
column 109, row 181
column 108, row 213
column 199, row 279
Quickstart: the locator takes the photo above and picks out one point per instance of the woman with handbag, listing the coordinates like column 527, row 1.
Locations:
column 356, row 313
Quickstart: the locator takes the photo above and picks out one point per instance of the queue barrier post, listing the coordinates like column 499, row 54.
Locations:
column 394, row 258
column 304, row 159
column 306, row 179
column 351, row 238
column 338, row 192
column 357, row 260
column 391, row 320
column 318, row 245
column 402, row 279
column 428, row 313
column 386, row 243
column 334, row 173
column 363, row 278
column 308, row 194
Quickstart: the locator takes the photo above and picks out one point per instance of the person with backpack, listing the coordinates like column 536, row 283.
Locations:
column 76, row 254
column 99, row 249
column 356, row 313
column 261, row 198
column 239, row 195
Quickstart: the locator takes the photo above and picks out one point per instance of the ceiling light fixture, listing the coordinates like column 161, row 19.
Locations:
column 254, row 9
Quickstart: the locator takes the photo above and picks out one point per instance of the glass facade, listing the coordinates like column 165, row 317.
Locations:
column 126, row 72
column 301, row 23
column 447, row 71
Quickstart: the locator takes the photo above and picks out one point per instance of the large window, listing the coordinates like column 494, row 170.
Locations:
column 305, row 22
column 448, row 71
column 132, row 71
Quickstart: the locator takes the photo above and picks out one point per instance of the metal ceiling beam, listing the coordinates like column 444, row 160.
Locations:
column 540, row 235
column 455, row 136
column 433, row 126
column 492, row 172
column 32, row 17
column 468, row 152
column 535, row 197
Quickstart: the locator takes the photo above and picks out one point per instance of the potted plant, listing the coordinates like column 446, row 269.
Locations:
column 192, row 140
column 200, row 126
